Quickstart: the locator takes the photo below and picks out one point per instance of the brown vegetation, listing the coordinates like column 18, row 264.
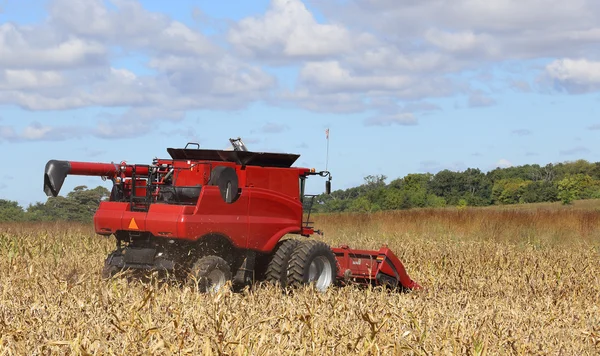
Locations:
column 497, row 282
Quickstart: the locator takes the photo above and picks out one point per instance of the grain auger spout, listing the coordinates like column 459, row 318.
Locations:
column 223, row 215
column 57, row 171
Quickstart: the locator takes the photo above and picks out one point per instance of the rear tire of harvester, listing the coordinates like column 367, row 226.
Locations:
column 227, row 181
column 210, row 274
column 312, row 262
column 279, row 262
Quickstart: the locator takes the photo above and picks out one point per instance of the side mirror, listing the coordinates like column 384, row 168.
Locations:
column 328, row 187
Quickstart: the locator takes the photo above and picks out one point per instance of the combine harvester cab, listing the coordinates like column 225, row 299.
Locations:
column 219, row 216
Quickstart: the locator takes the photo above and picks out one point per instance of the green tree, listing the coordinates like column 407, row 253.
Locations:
column 396, row 199
column 79, row 205
column 434, row 201
column 476, row 188
column 509, row 190
column 539, row 191
column 360, row 205
column 572, row 187
column 11, row 211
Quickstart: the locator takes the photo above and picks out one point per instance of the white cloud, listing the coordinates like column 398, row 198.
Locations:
column 38, row 132
column 42, row 47
column 575, row 75
column 35, row 132
column 579, row 71
column 288, row 29
column 330, row 76
column 18, row 79
column 129, row 24
column 65, row 63
column 503, row 163
column 359, row 55
column 464, row 41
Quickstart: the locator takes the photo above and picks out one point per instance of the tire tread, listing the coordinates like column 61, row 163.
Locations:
column 278, row 265
column 296, row 271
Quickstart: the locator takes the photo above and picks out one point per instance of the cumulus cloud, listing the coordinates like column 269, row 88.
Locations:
column 45, row 47
column 575, row 75
column 288, row 29
column 450, row 37
column 65, row 62
column 465, row 41
column 19, row 79
column 330, row 76
column 128, row 24
column 349, row 60
column 38, row 132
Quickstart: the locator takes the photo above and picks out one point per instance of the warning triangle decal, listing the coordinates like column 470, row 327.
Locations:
column 133, row 224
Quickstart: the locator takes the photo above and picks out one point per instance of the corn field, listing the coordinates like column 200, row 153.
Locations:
column 523, row 281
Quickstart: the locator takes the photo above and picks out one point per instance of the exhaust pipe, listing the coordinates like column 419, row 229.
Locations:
column 56, row 172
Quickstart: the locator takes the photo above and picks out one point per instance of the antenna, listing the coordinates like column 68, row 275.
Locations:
column 327, row 157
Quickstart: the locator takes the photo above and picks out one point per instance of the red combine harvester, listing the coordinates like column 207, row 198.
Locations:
column 221, row 215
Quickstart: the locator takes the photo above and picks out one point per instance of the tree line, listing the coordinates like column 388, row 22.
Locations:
column 530, row 183
column 564, row 182
column 79, row 205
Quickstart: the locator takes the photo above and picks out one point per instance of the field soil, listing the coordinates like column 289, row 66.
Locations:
column 497, row 281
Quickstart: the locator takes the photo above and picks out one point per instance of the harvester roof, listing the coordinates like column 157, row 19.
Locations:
column 246, row 158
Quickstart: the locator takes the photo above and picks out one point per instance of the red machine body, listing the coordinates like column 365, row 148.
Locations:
column 246, row 200
column 265, row 210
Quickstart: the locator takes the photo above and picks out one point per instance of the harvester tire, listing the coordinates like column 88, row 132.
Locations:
column 279, row 262
column 227, row 181
column 312, row 262
column 211, row 273
column 109, row 271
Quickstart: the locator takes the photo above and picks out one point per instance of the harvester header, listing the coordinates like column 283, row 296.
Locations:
column 223, row 215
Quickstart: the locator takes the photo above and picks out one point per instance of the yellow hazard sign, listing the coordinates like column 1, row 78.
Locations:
column 133, row 224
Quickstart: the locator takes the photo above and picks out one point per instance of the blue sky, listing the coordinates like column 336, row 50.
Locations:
column 404, row 87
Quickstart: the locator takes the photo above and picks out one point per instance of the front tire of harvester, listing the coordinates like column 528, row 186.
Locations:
column 279, row 262
column 312, row 262
column 210, row 274
column 109, row 271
